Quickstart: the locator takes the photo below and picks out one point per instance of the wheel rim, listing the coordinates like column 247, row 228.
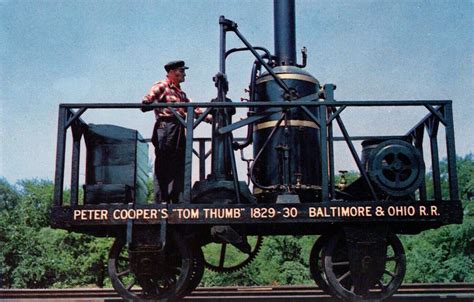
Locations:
column 169, row 283
column 316, row 264
column 336, row 269
column 197, row 271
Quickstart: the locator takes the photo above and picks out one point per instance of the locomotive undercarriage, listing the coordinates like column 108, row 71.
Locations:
column 352, row 260
column 159, row 253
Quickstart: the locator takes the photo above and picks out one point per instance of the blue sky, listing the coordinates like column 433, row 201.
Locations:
column 54, row 52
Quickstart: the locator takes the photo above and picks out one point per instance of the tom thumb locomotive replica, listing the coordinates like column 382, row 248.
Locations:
column 291, row 119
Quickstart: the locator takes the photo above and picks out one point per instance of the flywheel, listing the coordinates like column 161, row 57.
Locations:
column 225, row 258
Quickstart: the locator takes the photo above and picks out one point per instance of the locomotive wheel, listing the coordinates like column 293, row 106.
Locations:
column 230, row 259
column 316, row 264
column 177, row 276
column 336, row 269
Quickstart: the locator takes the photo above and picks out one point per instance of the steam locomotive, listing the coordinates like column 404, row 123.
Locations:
column 158, row 250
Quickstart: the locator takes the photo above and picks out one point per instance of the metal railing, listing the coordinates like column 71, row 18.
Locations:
column 439, row 113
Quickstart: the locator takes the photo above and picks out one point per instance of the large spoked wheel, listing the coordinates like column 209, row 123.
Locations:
column 316, row 264
column 197, row 271
column 338, row 274
column 149, row 275
column 228, row 258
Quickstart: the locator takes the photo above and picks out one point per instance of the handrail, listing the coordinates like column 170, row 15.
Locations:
column 351, row 103
column 69, row 118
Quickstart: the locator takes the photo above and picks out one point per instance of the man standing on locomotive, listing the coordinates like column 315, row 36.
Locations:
column 168, row 133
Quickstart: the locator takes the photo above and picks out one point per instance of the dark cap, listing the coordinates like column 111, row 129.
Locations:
column 174, row 65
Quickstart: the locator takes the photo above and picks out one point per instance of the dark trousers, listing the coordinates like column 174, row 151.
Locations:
column 169, row 141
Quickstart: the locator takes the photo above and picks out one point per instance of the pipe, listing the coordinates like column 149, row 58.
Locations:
column 253, row 79
column 284, row 25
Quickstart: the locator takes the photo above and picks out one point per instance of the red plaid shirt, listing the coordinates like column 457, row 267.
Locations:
column 167, row 92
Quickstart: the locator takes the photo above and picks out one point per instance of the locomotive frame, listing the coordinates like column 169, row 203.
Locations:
column 450, row 211
column 362, row 227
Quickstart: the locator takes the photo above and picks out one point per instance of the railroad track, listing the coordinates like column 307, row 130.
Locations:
column 407, row 292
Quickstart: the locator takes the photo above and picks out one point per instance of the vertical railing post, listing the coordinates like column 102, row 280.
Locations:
column 202, row 159
column 324, row 153
column 433, row 125
column 235, row 176
column 188, row 160
column 418, row 142
column 60, row 155
column 329, row 96
column 76, row 152
column 331, row 162
column 451, row 150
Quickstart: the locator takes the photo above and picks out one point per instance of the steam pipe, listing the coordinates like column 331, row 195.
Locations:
column 253, row 80
column 252, row 173
column 260, row 59
column 267, row 53
column 222, row 44
column 284, row 25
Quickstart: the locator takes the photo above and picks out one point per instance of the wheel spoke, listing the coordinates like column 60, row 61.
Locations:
column 131, row 284
column 397, row 179
column 170, row 280
column 123, row 273
column 380, row 284
column 340, row 263
column 347, row 274
column 389, row 273
column 222, row 256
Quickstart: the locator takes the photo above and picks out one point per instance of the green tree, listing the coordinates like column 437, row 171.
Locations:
column 9, row 198
column 445, row 254
column 32, row 254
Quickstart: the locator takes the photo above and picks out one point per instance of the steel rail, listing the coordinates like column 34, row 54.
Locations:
column 407, row 292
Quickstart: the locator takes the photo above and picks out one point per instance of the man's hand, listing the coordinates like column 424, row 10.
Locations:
column 208, row 119
column 198, row 112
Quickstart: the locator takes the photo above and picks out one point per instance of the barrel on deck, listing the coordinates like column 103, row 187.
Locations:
column 116, row 165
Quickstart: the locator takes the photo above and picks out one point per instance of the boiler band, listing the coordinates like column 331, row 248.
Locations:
column 291, row 123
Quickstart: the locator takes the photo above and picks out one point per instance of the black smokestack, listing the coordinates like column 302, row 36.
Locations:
column 285, row 41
